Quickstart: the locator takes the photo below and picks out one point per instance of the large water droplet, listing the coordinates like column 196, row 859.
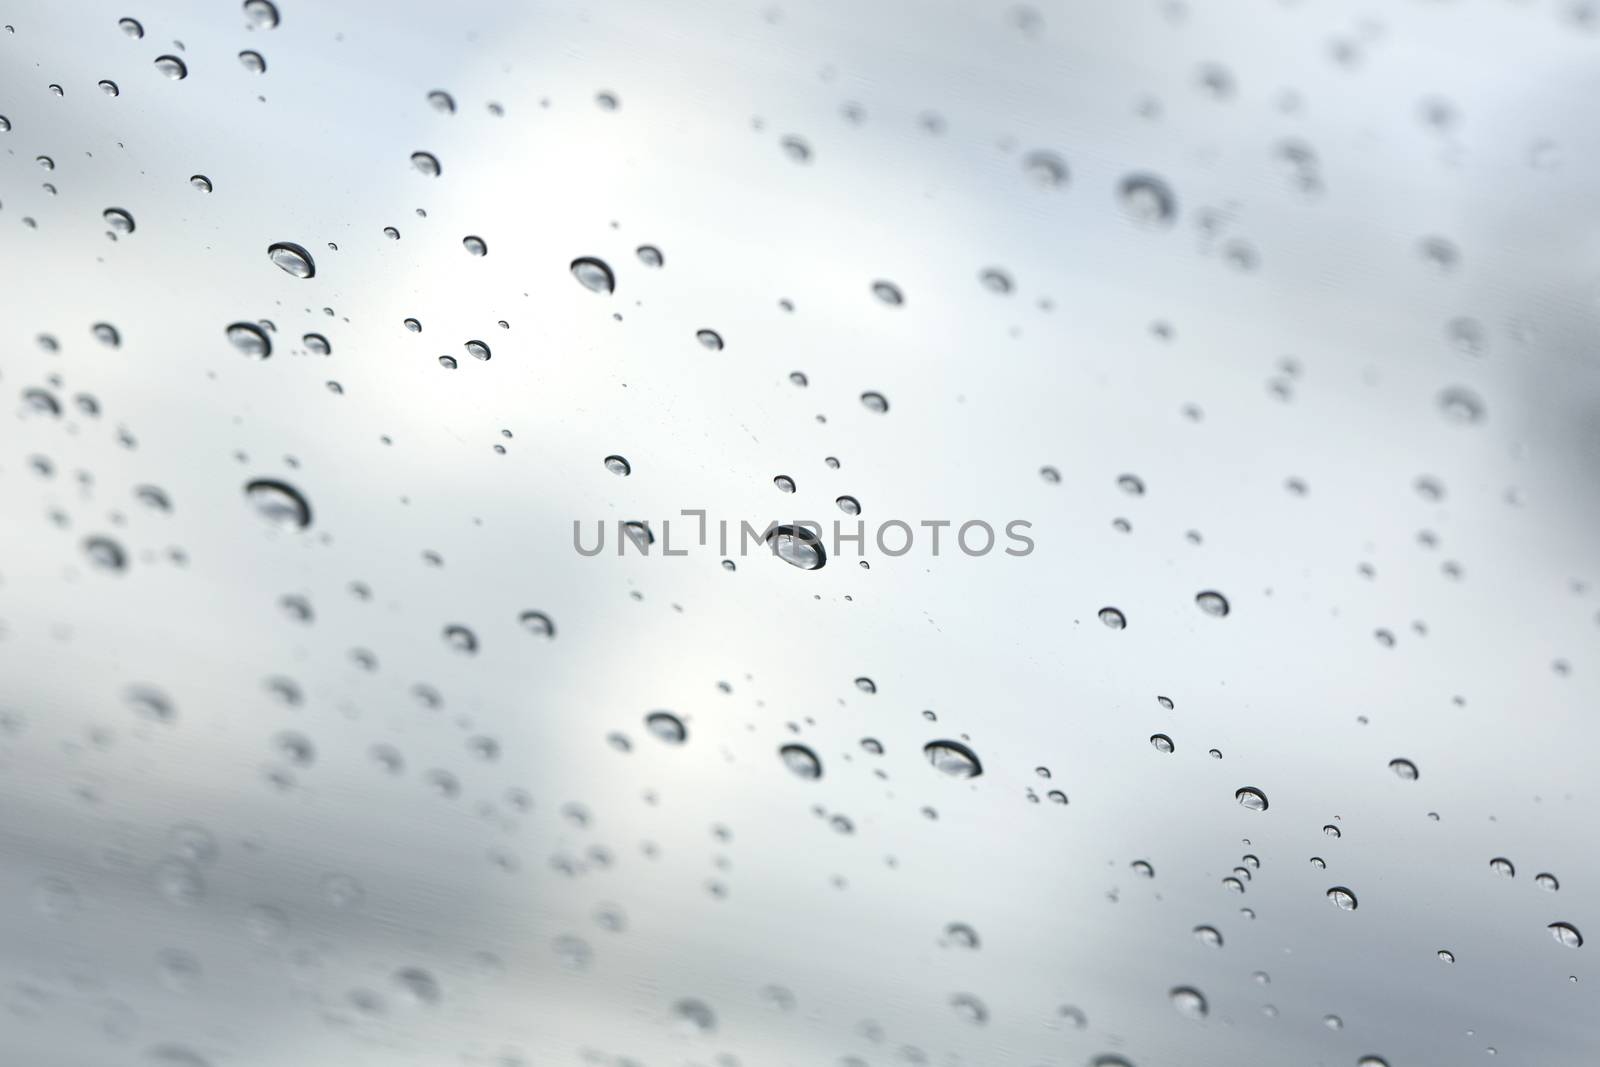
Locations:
column 1342, row 898
column 261, row 14
column 1251, row 798
column 131, row 27
column 801, row 760
column 1113, row 618
column 666, row 726
column 594, row 275
column 172, row 67
column 1502, row 866
column 1212, row 603
column 279, row 503
column 1404, row 768
column 250, row 339
column 1546, row 882
column 537, row 623
column 1567, row 934
column 1189, row 1002
column 798, row 546
column 426, row 163
column 118, row 219
column 1147, row 199
column 253, row 62
column 953, row 758
column 292, row 259
column 875, row 403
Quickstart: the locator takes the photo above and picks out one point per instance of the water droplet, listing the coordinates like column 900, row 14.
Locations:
column 1045, row 169
column 106, row 334
column 710, row 339
column 888, row 293
column 1212, row 603
column 250, row 339
column 1147, row 199
column 1189, row 1002
column 784, row 483
column 1446, row 956
column 253, row 62
column 1208, row 935
column 426, row 163
column 131, row 27
column 1546, row 882
column 1143, row 869
column 537, row 623
column 970, row 1008
column 961, row 935
column 279, row 503
column 796, row 149
column 1251, row 798
column 172, row 67
column 418, row 984
column 261, row 14
column 1131, row 484
column 995, row 280
column 1372, row 1061
column 594, row 275
column 292, row 259
column 1051, row 475
column 200, row 182
column 461, row 639
column 1161, row 742
column 849, row 505
column 119, row 220
column 447, row 362
column 694, row 1016
column 1342, row 898
column 109, row 87
column 801, row 761
column 618, row 465
column 475, row 246
column 798, row 546
column 1319, row 863
column 316, row 344
column 666, row 726
column 953, row 758
column 413, row 325
column 1461, row 405
column 105, row 553
column 1404, row 768
column 442, row 102
column 1567, row 934
column 1502, row 866
column 650, row 255
column 1113, row 618
column 875, row 403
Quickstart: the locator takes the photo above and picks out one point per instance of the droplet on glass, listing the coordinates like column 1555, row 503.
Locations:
column 1503, row 867
column 292, row 259
column 594, row 275
column 1342, row 898
column 1212, row 603
column 995, row 280
column 109, row 87
column 475, row 246
column 1567, row 934
column 1404, row 768
column 261, row 14
column 131, row 27
column 1045, row 169
column 537, row 623
column 1161, row 742
column 666, row 726
column 253, row 62
column 650, row 255
column 1461, row 405
column 888, row 293
column 461, row 639
column 1113, row 618
column 316, row 344
column 200, row 182
column 1147, row 199
column 1546, row 882
column 798, row 546
column 801, row 761
column 618, row 465
column 875, row 402
column 1208, row 935
column 442, row 102
column 172, row 67
column 118, row 219
column 953, row 758
column 105, row 553
column 279, row 503
column 426, row 163
column 1251, row 798
column 250, row 339
column 849, row 505
column 1189, row 1002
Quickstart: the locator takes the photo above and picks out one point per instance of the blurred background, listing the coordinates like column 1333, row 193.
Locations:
column 323, row 323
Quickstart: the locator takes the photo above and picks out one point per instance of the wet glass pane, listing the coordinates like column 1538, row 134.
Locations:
column 834, row 533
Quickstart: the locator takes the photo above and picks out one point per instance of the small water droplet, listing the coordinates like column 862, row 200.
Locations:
column 710, row 339
column 1212, row 603
column 1567, row 934
column 131, row 27
column 1147, row 199
column 426, row 163
column 798, row 546
column 849, row 505
column 109, row 87
column 1461, row 405
column 118, row 219
column 105, row 553
column 1404, row 768
column 650, row 255
column 1546, row 882
column 1113, row 618
column 1189, row 1002
column 888, row 293
column 1045, row 169
column 250, row 339
column 694, row 1016
column 442, row 102
column 1161, row 742
column 253, row 62
column 261, row 14
column 537, row 623
column 200, row 182
column 1502, row 866
column 1342, row 898
column 474, row 245
column 995, row 280
column 1208, row 935
column 875, row 403
column 618, row 465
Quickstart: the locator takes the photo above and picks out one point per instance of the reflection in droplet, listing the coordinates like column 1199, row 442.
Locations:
column 262, row 14
column 1567, row 934
column 1113, row 618
column 1161, row 742
column 1212, row 603
column 650, row 255
column 666, row 726
column 1546, row 882
column 618, row 465
column 109, row 87
column 172, row 67
column 798, row 546
column 1251, row 798
column 953, row 758
column 253, row 62
column 593, row 275
column 200, row 182
column 1502, row 866
column 1189, row 1002
column 1342, row 898
column 250, row 339
column 801, row 761
column 1147, row 199
column 279, row 503
column 426, row 163
column 292, row 259
column 1404, row 768
column 475, row 246
column 875, row 402
column 118, row 219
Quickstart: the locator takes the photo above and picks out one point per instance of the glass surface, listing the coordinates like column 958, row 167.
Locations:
column 1267, row 738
